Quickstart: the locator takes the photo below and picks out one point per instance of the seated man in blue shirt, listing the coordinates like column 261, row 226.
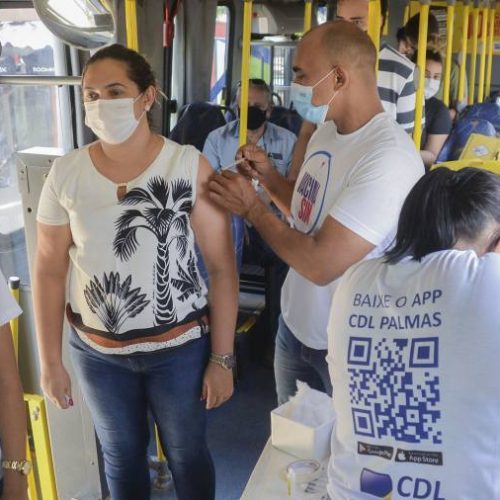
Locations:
column 220, row 150
column 223, row 143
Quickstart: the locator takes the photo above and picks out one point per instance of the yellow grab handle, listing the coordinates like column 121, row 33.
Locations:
column 463, row 50
column 482, row 62
column 374, row 23
column 245, row 70
column 14, row 283
column 422, row 49
column 131, row 24
column 473, row 61
column 307, row 15
column 491, row 48
column 450, row 25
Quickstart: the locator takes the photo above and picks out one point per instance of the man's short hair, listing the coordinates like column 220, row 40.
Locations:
column 259, row 84
column 346, row 45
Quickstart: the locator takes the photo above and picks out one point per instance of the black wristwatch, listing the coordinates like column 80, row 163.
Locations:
column 227, row 361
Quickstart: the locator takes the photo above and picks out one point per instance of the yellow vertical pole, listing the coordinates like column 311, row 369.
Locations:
column 307, row 15
column 463, row 50
column 473, row 61
column 450, row 25
column 422, row 49
column 414, row 7
column 406, row 15
column 374, row 24
column 245, row 69
column 482, row 61
column 32, row 489
column 491, row 47
column 131, row 24
column 14, row 283
column 40, row 431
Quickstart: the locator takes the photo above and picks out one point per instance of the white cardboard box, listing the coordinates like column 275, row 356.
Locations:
column 297, row 438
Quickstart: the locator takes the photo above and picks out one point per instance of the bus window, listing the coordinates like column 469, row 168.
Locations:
column 321, row 14
column 31, row 116
column 220, row 55
column 282, row 70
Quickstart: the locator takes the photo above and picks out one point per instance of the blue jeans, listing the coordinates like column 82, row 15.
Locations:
column 120, row 389
column 294, row 361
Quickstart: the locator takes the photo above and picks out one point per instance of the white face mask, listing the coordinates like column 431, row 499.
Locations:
column 431, row 87
column 112, row 120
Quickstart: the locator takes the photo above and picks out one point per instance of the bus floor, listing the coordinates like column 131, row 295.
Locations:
column 238, row 431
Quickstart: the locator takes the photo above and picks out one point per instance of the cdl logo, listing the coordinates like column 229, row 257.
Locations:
column 381, row 486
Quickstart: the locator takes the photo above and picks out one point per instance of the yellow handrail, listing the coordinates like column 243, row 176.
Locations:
column 473, row 60
column 131, row 24
column 406, row 15
column 245, row 70
column 463, row 50
column 491, row 48
column 14, row 283
column 482, row 61
column 374, row 22
column 307, row 15
column 422, row 46
column 450, row 25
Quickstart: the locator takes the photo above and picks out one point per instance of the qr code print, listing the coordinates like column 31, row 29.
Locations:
column 394, row 388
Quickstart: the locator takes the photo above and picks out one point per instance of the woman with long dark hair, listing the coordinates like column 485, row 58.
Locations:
column 118, row 220
column 414, row 349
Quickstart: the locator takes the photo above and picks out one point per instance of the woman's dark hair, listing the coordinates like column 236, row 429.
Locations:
column 444, row 207
column 413, row 25
column 430, row 55
column 138, row 68
column 401, row 35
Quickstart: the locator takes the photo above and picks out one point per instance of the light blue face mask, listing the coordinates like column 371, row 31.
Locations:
column 301, row 96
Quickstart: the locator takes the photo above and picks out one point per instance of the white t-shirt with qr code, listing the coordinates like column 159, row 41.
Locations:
column 414, row 357
column 361, row 180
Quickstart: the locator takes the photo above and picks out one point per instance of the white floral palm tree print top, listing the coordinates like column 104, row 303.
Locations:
column 134, row 284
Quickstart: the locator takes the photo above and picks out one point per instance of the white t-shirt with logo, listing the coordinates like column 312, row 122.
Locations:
column 359, row 179
column 414, row 357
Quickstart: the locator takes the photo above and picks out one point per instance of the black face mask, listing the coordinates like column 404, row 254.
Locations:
column 256, row 117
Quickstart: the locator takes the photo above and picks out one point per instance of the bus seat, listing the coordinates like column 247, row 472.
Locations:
column 196, row 121
column 489, row 111
column 286, row 118
column 458, row 137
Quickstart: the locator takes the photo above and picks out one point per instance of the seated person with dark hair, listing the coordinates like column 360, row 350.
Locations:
column 414, row 351
column 407, row 37
column 438, row 124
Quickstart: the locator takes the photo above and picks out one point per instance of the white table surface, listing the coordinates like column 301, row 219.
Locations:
column 267, row 481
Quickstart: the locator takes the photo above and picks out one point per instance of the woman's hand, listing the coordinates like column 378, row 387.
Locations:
column 218, row 385
column 56, row 385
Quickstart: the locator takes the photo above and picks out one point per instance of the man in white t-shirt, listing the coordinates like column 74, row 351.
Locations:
column 344, row 206
column 414, row 350
column 395, row 79
column 14, row 466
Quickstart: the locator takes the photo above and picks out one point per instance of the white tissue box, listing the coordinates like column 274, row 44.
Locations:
column 298, row 439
